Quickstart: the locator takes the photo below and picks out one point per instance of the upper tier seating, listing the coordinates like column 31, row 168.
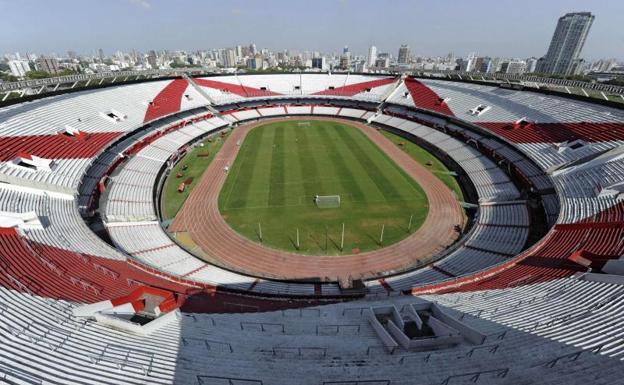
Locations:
column 559, row 130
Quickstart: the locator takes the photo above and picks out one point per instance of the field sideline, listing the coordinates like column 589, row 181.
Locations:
column 282, row 166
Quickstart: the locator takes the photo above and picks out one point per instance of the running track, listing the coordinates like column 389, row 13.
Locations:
column 200, row 217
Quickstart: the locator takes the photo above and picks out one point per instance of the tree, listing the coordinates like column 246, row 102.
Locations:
column 7, row 77
column 37, row 75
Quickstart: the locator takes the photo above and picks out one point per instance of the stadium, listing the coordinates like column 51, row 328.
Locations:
column 314, row 227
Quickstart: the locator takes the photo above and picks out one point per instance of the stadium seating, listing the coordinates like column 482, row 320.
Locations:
column 543, row 324
column 522, row 152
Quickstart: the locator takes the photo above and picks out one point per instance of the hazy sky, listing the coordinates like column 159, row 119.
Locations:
column 519, row 28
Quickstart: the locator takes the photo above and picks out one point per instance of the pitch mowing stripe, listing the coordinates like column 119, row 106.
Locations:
column 261, row 169
column 307, row 165
column 357, row 174
column 294, row 183
column 386, row 186
column 277, row 176
column 329, row 172
column 346, row 181
column 406, row 186
column 243, row 168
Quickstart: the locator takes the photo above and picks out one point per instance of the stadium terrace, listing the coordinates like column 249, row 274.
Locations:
column 494, row 258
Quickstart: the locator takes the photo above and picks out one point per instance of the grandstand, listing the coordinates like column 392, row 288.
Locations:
column 94, row 289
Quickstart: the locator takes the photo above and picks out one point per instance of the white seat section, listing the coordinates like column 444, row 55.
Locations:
column 466, row 261
column 507, row 106
column 236, row 88
column 130, row 191
column 302, row 110
column 511, row 105
column 83, row 111
column 272, row 111
column 322, row 110
column 63, row 178
column 147, row 242
column 504, row 214
column 247, row 114
column 64, row 228
column 491, row 183
column 351, row 112
column 544, row 322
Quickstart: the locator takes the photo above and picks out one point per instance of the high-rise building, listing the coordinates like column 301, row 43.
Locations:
column 531, row 65
column 319, row 63
column 229, row 58
column 47, row 64
column 345, row 61
column 513, row 67
column 372, row 56
column 382, row 62
column 101, row 55
column 404, row 54
column 566, row 44
column 152, row 60
column 19, row 67
column 486, row 65
column 255, row 63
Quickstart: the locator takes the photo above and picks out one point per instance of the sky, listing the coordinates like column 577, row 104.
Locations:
column 508, row 28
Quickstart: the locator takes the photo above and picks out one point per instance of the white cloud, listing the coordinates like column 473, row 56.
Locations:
column 236, row 11
column 142, row 3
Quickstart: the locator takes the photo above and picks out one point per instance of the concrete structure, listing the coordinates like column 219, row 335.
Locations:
column 514, row 67
column 19, row 67
column 404, row 54
column 372, row 56
column 49, row 65
column 566, row 44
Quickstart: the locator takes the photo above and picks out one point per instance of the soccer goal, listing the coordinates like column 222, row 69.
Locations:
column 327, row 201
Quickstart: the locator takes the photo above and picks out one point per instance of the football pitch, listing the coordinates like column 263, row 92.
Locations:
column 269, row 192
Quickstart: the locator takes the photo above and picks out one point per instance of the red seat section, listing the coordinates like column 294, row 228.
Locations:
column 168, row 101
column 238, row 89
column 552, row 258
column 57, row 146
column 425, row 97
column 556, row 132
column 354, row 89
column 61, row 274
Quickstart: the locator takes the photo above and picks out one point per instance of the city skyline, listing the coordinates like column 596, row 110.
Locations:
column 277, row 25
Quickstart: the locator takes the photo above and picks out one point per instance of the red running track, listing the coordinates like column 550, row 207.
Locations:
column 200, row 217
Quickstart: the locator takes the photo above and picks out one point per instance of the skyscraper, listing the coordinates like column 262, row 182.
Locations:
column 49, row 65
column 566, row 44
column 404, row 53
column 152, row 59
column 19, row 67
column 372, row 56
column 229, row 58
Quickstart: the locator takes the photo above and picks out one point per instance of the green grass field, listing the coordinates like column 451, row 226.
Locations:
column 282, row 166
column 172, row 200
column 425, row 158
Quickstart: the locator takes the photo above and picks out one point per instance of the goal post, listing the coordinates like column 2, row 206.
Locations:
column 327, row 201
